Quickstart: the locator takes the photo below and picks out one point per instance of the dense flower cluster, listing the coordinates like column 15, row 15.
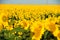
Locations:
column 28, row 24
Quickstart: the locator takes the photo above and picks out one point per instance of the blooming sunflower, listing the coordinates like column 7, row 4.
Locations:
column 50, row 25
column 38, row 29
column 24, row 24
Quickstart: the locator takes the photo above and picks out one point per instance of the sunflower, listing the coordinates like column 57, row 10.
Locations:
column 50, row 25
column 58, row 35
column 38, row 29
column 1, row 27
column 24, row 24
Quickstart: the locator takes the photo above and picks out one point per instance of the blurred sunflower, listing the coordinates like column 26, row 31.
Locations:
column 38, row 29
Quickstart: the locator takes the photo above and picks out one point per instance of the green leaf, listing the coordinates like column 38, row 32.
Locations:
column 48, row 36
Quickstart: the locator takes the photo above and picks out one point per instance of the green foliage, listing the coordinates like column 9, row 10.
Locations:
column 48, row 36
column 57, row 15
column 11, row 35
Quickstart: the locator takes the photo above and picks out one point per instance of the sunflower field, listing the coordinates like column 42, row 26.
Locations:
column 29, row 23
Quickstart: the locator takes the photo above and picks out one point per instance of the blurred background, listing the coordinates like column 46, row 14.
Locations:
column 29, row 1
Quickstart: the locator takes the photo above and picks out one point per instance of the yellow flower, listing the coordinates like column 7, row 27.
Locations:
column 56, row 31
column 1, row 27
column 3, row 18
column 20, row 33
column 58, row 35
column 9, row 27
column 25, row 24
column 38, row 29
column 50, row 25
